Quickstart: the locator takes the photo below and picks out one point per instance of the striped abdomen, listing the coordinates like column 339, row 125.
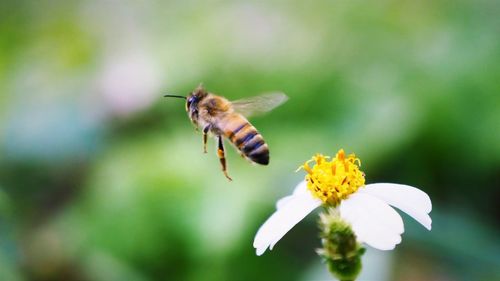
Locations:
column 246, row 138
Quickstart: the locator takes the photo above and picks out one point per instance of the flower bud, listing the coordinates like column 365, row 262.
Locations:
column 341, row 250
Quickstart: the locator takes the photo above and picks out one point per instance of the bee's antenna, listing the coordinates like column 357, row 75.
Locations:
column 174, row 96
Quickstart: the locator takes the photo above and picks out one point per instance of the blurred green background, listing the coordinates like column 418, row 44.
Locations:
column 103, row 179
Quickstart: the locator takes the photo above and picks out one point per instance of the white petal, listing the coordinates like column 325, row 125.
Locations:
column 408, row 199
column 290, row 212
column 374, row 222
column 283, row 201
column 299, row 189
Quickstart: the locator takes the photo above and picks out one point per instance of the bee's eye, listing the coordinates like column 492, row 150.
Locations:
column 190, row 101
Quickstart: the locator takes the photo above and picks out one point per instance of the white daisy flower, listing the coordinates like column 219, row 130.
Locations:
column 340, row 184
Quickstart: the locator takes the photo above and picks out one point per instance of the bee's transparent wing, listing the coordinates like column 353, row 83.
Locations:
column 259, row 104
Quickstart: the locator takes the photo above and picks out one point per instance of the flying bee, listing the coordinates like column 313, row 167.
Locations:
column 223, row 118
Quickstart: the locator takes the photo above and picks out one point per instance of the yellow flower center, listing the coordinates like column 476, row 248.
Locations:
column 333, row 181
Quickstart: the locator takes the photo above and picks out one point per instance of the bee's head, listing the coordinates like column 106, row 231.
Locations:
column 194, row 97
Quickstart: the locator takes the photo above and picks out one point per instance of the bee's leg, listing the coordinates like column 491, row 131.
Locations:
column 222, row 157
column 205, row 132
column 195, row 125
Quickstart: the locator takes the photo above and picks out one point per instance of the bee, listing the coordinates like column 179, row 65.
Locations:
column 222, row 118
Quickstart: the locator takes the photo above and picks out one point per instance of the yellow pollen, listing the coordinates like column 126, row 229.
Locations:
column 333, row 181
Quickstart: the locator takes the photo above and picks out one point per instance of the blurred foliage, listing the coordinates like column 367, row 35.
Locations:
column 102, row 179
